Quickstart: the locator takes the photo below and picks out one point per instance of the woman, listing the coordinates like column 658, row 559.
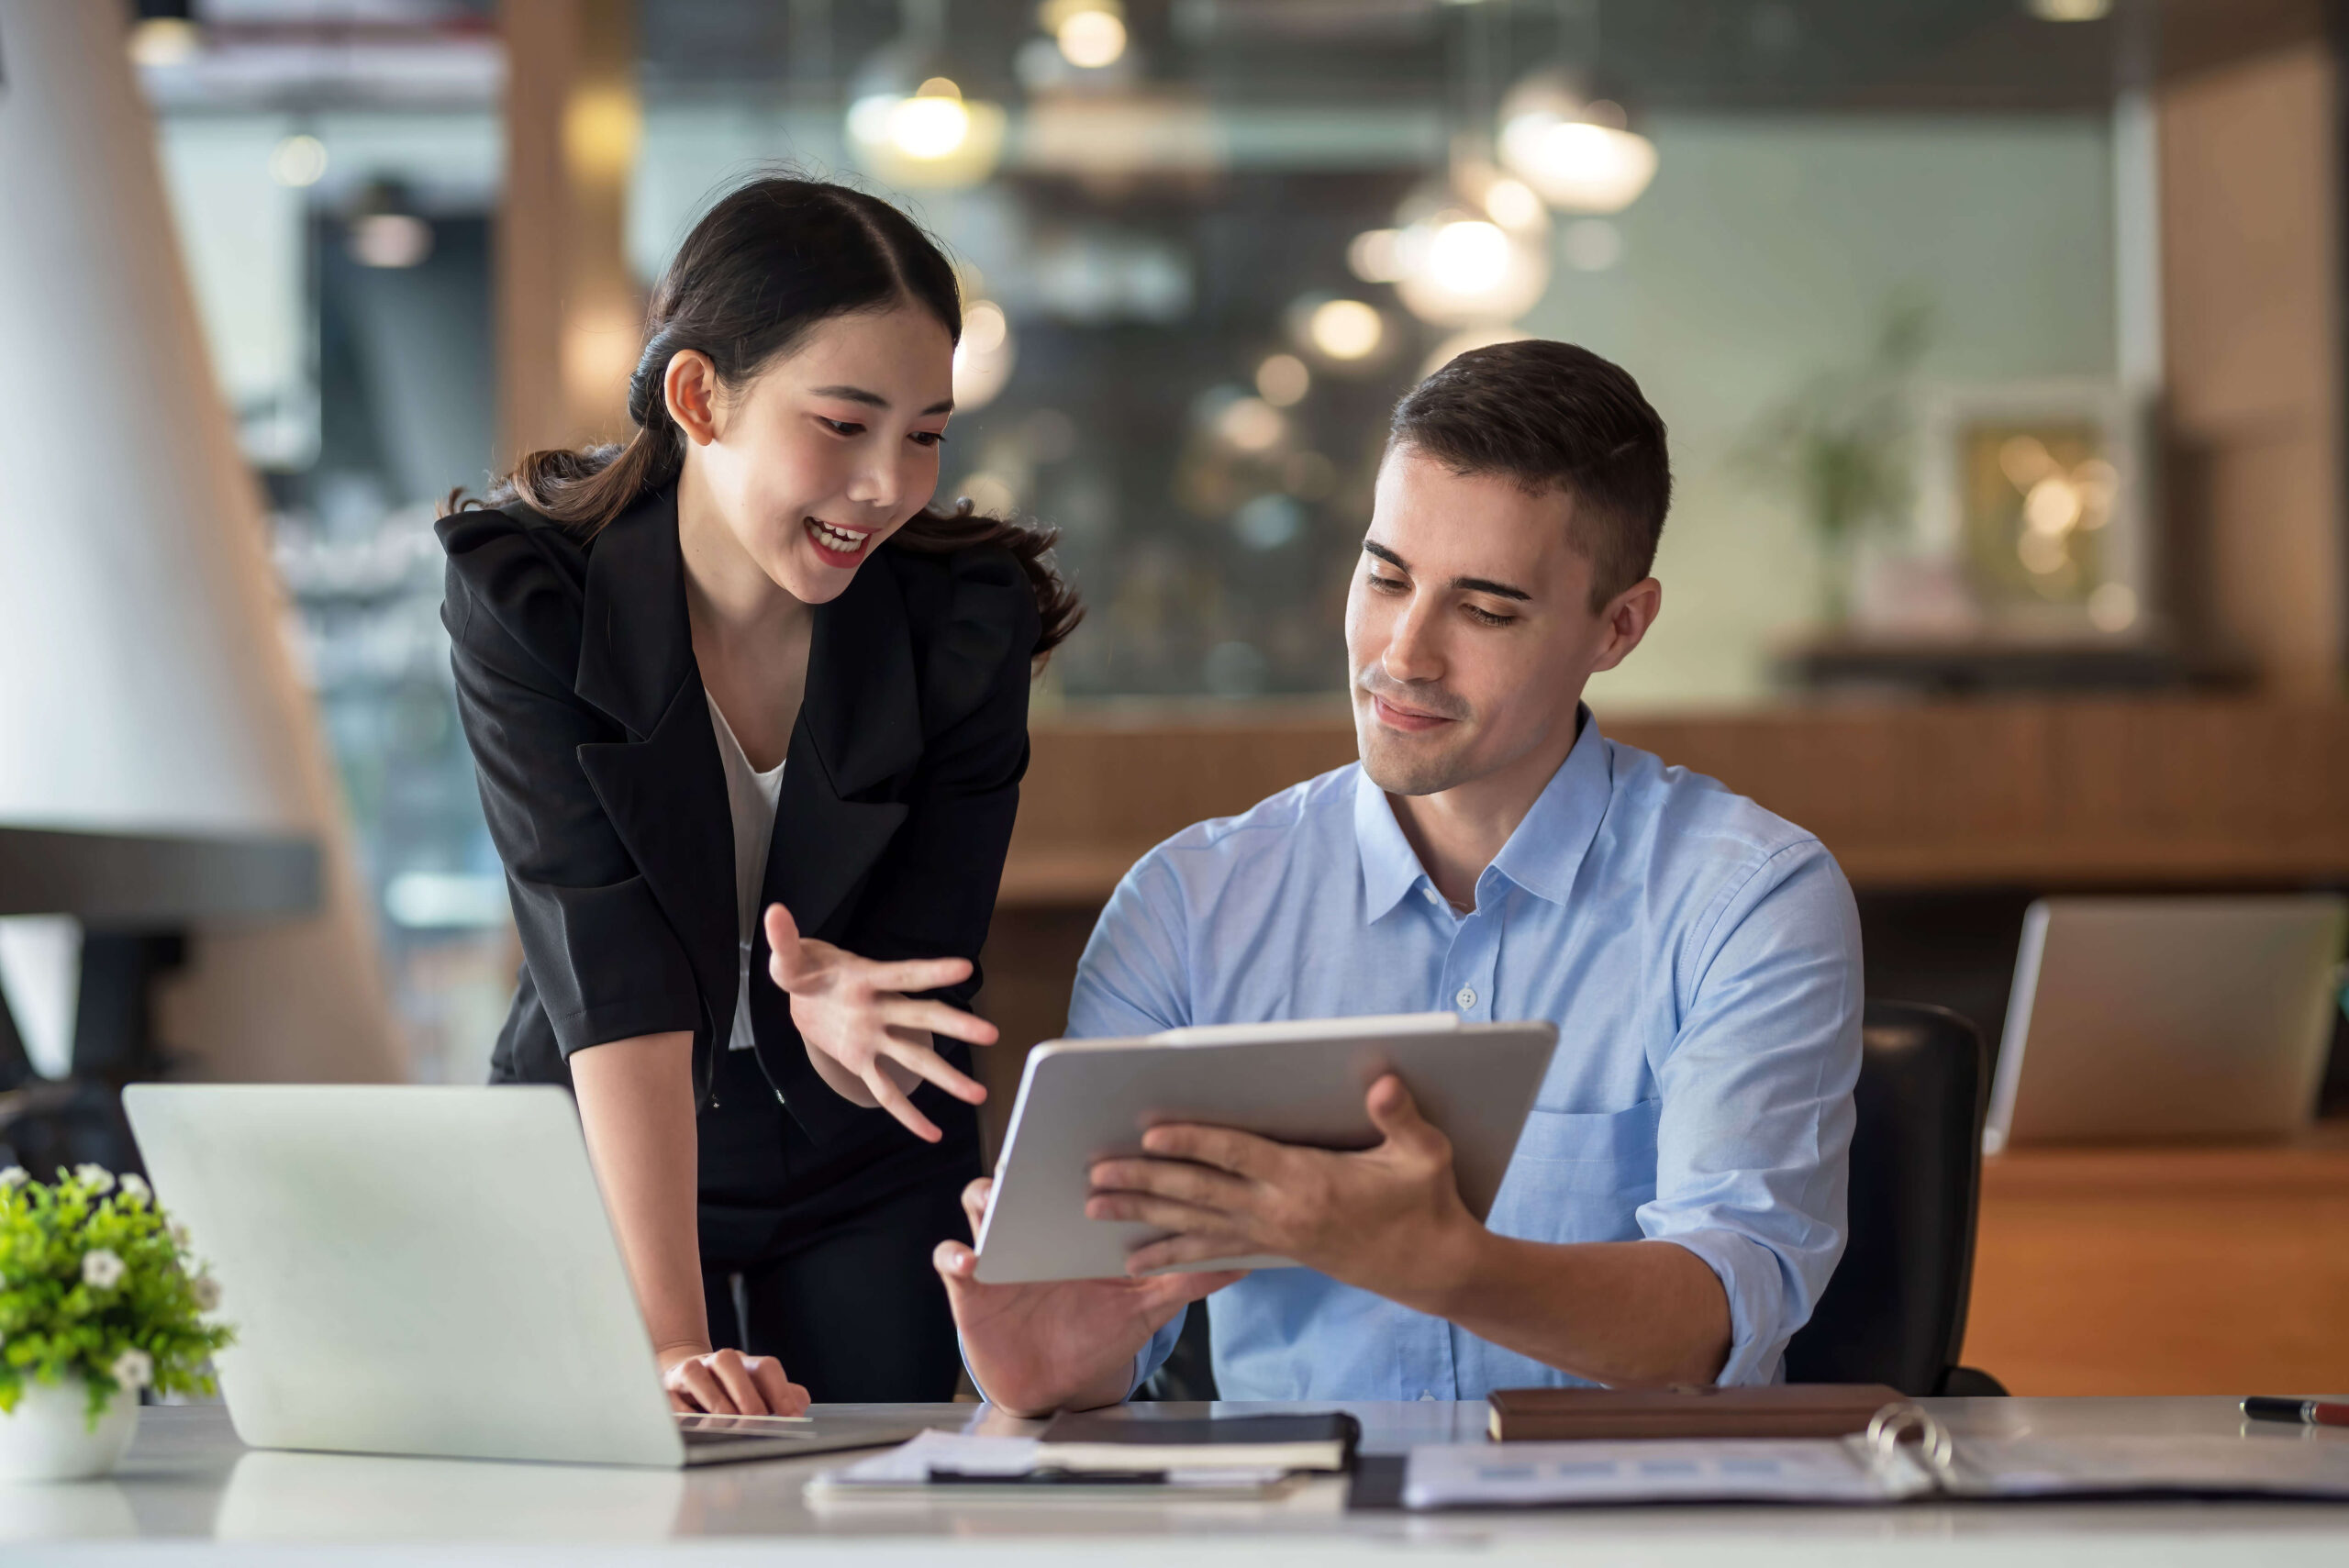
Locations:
column 733, row 664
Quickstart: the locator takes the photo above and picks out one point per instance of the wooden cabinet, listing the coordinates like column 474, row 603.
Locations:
column 2180, row 1270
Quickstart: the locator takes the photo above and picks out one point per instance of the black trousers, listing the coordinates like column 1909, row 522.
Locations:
column 820, row 1256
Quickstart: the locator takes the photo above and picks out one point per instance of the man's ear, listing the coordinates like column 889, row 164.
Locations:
column 1627, row 618
column 690, row 387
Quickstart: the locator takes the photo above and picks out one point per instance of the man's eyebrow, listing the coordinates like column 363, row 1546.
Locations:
column 1465, row 584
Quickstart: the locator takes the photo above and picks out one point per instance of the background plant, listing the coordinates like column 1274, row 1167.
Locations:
column 97, row 1283
column 1841, row 444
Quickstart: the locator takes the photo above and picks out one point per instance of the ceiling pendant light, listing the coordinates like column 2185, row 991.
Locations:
column 1579, row 154
column 910, row 124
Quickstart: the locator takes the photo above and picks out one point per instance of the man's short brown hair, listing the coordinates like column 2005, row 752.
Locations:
column 1552, row 415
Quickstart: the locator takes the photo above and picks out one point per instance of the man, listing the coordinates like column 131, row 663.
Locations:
column 1677, row 1203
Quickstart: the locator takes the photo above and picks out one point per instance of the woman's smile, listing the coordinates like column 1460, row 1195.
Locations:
column 834, row 545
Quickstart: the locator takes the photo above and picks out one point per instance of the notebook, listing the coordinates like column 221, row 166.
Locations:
column 1090, row 1441
column 1882, row 1466
column 1784, row 1411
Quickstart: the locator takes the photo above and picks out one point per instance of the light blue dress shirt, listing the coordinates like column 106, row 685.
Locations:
column 1700, row 956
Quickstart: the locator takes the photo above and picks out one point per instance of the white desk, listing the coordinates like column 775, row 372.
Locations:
column 189, row 1493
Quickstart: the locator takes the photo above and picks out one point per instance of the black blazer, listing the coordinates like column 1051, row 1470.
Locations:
column 600, row 777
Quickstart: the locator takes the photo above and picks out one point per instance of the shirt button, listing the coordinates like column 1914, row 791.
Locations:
column 1467, row 998
column 1425, row 1395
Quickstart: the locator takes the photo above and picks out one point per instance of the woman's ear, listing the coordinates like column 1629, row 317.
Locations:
column 690, row 388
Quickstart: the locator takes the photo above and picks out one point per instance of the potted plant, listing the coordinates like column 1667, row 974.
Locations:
column 99, row 1299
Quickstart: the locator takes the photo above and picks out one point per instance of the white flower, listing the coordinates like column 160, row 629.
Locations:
column 206, row 1291
column 179, row 1237
column 101, row 1268
column 12, row 1178
column 133, row 1369
column 98, row 1178
column 134, row 1186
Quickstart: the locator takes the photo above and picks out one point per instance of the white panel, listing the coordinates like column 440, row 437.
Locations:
column 143, row 682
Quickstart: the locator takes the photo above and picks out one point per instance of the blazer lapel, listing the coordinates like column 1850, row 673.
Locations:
column 664, row 790
column 860, row 726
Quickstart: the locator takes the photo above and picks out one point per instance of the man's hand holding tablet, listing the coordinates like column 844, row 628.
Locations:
column 1388, row 1218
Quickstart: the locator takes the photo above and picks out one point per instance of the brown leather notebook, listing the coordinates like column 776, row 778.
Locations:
column 1782, row 1410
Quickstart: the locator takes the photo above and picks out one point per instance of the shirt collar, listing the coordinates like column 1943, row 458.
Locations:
column 1541, row 856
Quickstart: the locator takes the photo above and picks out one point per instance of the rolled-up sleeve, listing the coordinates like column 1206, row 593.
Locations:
column 1753, row 1144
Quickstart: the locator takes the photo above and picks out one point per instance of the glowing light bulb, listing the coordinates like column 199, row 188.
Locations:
column 985, row 326
column 1513, row 205
column 1091, row 39
column 1374, row 256
column 1346, row 329
column 298, row 161
column 1283, row 381
column 1467, row 257
column 1576, row 164
column 928, row 125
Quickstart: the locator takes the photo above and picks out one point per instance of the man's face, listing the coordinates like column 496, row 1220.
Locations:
column 1469, row 629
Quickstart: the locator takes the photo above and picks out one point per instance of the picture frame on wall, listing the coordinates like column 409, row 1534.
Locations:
column 2031, row 497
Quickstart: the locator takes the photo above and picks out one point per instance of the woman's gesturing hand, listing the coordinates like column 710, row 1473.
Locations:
column 868, row 1038
column 728, row 1382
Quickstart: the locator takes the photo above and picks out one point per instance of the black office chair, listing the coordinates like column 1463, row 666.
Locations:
column 1895, row 1310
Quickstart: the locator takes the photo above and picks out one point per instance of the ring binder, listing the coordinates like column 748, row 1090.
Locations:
column 1890, row 1426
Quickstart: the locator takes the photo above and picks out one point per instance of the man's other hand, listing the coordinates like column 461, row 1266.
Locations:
column 1070, row 1344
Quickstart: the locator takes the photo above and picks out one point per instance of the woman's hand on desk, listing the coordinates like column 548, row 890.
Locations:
column 1034, row 1349
column 728, row 1382
column 866, row 1036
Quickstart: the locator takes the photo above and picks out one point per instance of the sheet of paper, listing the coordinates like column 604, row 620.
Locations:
column 909, row 1464
column 1521, row 1474
column 2287, row 1465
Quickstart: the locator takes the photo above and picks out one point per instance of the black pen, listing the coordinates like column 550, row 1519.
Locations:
column 2305, row 1412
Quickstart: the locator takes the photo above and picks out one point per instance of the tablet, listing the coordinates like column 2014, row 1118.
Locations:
column 1083, row 1100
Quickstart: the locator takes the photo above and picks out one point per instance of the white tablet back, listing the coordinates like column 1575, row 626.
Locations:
column 1300, row 1082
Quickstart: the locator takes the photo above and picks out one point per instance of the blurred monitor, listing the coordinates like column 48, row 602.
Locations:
column 2139, row 1019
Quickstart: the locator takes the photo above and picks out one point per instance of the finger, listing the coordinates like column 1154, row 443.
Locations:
column 913, row 974
column 977, row 1195
column 1161, row 1213
column 1179, row 1179
column 937, row 1018
column 892, row 1099
column 734, row 1376
column 955, row 1263
column 694, row 1380
column 1394, row 1111
column 1176, row 1251
column 915, row 1056
column 782, row 1396
column 1242, row 1153
column 678, row 1402
column 1166, row 1291
column 796, row 963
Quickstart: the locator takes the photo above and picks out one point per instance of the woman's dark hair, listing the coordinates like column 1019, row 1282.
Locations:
column 773, row 259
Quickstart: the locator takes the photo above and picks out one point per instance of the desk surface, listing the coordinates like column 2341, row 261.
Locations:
column 192, row 1493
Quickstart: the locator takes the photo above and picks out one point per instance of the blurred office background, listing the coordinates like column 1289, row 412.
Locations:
column 2000, row 342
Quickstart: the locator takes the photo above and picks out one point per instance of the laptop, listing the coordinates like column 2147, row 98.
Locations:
column 2143, row 1018
column 430, row 1271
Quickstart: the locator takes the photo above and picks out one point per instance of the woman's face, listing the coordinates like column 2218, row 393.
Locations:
column 830, row 448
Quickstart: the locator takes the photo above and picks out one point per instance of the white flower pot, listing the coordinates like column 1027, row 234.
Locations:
column 47, row 1436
